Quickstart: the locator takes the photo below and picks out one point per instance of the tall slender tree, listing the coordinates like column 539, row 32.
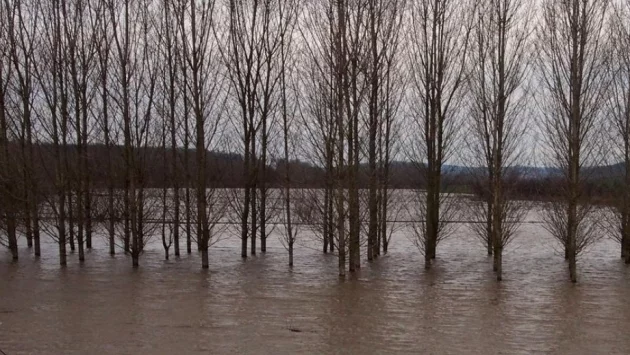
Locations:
column 384, row 26
column 500, row 55
column 572, row 58
column 22, row 44
column 619, row 106
column 7, row 183
column 440, row 42
column 204, row 88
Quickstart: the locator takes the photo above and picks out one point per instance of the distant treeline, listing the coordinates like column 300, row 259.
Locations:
column 225, row 170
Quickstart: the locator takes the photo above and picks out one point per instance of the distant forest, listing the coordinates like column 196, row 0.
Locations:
column 225, row 170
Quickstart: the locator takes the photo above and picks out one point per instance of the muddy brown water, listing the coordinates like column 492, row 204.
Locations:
column 260, row 306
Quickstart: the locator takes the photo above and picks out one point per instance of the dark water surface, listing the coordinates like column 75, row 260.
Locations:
column 261, row 307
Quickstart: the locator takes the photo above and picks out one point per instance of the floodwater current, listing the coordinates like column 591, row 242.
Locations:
column 260, row 306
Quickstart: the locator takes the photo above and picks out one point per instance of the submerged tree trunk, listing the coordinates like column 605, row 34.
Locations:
column 245, row 221
column 247, row 162
column 254, row 197
column 6, row 174
column 625, row 208
column 384, row 205
column 36, row 231
column 373, row 124
column 187, row 175
column 325, row 222
column 489, row 228
column 263, row 186
column 127, row 225
column 71, row 221
column 111, row 218
column 12, row 236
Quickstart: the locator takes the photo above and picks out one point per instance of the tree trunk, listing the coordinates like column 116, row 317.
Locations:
column 489, row 232
column 176, row 213
column 110, row 195
column 325, row 219
column 71, row 220
column 6, row 175
column 290, row 254
column 373, row 245
column 205, row 264
column 353, row 192
column 62, row 228
column 135, row 225
column 247, row 136
column 80, row 224
column 254, row 221
column 263, row 217
column 263, row 187
column 62, row 233
column 342, row 170
column 498, row 252
column 571, row 240
column 572, row 265
column 36, row 234
column 430, row 226
column 187, row 165
column 331, row 221
column 12, row 236
column 127, row 226
column 81, row 245
column 188, row 222
column 254, row 197
column 384, row 186
column 87, row 194
column 427, row 252
column 88, row 216
column 245, row 220
column 384, row 205
column 246, row 198
column 341, row 234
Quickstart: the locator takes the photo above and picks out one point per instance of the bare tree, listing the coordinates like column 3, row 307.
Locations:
column 384, row 22
column 439, row 36
column 170, row 47
column 133, row 91
column 242, row 58
column 79, row 30
column 251, row 57
column 22, row 42
column 204, row 90
column 109, row 136
column 7, row 183
column 286, row 65
column 338, row 31
column 52, row 77
column 572, row 60
column 167, row 99
column 389, row 145
column 316, row 110
column 498, row 113
column 167, row 220
column 619, row 107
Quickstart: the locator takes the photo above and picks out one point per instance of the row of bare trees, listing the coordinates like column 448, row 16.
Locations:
column 348, row 85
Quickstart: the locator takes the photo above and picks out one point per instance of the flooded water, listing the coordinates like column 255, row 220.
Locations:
column 260, row 306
